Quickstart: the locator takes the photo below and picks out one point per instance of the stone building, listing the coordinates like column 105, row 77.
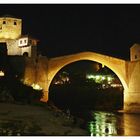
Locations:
column 135, row 52
column 11, row 34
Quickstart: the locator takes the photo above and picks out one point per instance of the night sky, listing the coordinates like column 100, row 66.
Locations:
column 66, row 29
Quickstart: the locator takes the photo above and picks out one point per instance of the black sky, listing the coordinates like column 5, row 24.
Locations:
column 70, row 28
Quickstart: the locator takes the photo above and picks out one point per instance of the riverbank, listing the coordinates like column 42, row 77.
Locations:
column 31, row 120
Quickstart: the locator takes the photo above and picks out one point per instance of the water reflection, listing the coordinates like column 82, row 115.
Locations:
column 103, row 124
column 114, row 124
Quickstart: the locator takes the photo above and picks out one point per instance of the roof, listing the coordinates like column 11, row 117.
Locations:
column 136, row 45
column 8, row 16
column 30, row 37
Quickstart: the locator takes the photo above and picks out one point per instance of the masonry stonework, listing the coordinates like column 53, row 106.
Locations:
column 10, row 28
column 41, row 70
column 11, row 34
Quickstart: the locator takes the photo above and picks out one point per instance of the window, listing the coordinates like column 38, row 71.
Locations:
column 25, row 41
column 135, row 56
column 15, row 23
column 25, row 54
column 4, row 22
column 20, row 41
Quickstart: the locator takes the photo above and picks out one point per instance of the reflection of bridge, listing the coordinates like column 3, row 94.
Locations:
column 42, row 70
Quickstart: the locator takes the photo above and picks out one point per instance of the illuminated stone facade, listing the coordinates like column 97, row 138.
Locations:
column 135, row 52
column 11, row 34
column 10, row 28
column 42, row 72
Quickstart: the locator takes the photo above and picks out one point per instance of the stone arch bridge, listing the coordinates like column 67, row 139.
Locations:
column 42, row 70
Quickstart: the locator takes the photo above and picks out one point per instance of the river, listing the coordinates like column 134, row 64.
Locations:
column 113, row 124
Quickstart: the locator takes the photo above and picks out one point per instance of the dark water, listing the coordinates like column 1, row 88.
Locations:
column 113, row 124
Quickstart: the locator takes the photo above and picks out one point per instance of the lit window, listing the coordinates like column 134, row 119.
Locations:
column 90, row 76
column 4, row 22
column 109, row 79
column 97, row 77
column 15, row 23
column 103, row 77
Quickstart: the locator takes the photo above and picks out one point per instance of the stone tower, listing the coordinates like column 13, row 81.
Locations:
column 135, row 52
column 10, row 28
column 11, row 34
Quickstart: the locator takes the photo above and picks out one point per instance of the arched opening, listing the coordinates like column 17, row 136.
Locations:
column 3, row 58
column 83, row 87
column 3, row 49
column 118, row 66
column 86, row 85
column 26, row 54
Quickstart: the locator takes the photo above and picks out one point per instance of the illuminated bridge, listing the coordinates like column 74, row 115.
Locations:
column 41, row 71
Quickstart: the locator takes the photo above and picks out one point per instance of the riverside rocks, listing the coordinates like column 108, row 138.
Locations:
column 31, row 120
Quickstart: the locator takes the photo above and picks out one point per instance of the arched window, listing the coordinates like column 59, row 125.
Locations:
column 15, row 23
column 25, row 54
column 4, row 22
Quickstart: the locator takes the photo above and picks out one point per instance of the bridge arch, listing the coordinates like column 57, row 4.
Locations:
column 118, row 66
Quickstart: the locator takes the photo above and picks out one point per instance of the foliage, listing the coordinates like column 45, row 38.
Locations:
column 86, row 97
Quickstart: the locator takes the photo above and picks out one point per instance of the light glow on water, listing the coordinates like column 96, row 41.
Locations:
column 104, row 124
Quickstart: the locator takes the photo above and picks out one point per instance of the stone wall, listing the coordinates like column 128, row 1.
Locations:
column 42, row 70
column 132, row 96
column 10, row 28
